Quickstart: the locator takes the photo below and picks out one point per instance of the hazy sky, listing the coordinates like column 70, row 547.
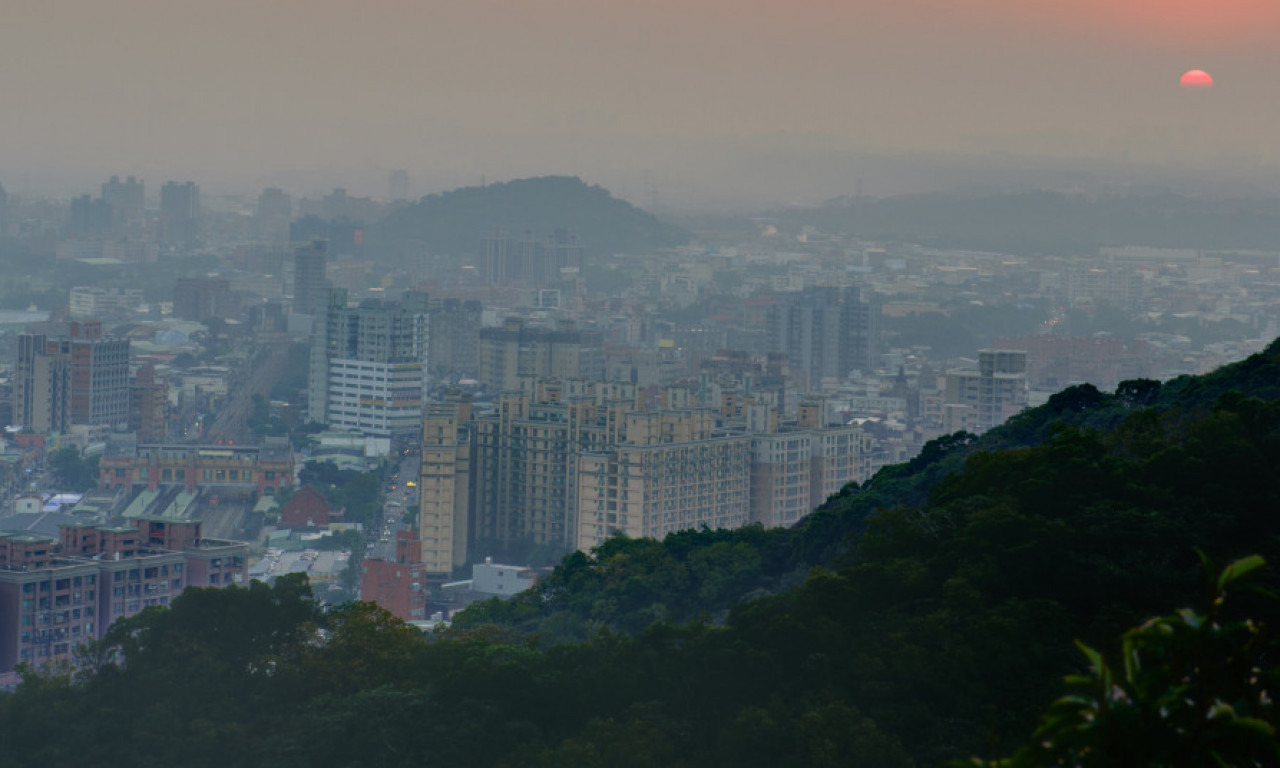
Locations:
column 650, row 92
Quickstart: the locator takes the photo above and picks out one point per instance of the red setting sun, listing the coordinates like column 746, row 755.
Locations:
column 1196, row 78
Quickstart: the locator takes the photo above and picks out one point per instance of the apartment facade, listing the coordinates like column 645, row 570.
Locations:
column 95, row 301
column 565, row 464
column 517, row 350
column 368, row 364
column 444, row 488
column 81, row 378
column 827, row 332
column 987, row 396
column 58, row 593
column 686, row 476
column 796, row 466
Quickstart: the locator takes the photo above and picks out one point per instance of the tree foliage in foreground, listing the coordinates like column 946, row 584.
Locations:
column 1186, row 689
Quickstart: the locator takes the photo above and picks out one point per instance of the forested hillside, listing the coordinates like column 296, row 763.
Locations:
column 454, row 222
column 927, row 617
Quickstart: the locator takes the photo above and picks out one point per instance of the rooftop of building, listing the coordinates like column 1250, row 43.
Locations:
column 27, row 537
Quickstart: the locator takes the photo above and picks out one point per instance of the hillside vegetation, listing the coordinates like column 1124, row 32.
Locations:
column 926, row 617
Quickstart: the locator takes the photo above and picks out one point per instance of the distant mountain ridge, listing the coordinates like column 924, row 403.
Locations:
column 1051, row 222
column 454, row 222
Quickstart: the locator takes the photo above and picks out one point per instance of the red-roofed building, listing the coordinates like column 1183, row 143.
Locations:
column 308, row 509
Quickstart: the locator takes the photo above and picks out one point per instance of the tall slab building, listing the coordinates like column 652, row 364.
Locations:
column 827, row 332
column 367, row 365
column 81, row 378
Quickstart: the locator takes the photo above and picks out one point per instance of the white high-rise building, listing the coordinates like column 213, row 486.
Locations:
column 368, row 364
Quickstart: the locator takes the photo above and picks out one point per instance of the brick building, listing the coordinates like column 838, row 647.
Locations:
column 148, row 406
column 268, row 467
column 82, row 378
column 399, row 586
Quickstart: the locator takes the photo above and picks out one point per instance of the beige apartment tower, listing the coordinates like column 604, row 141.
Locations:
column 988, row 396
column 674, row 472
column 564, row 464
column 444, row 488
column 795, row 467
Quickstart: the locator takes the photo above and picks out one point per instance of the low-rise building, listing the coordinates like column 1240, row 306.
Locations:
column 96, row 301
column 268, row 467
column 308, row 508
column 400, row 585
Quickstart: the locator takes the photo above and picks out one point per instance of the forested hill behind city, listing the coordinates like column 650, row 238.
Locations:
column 926, row 617
column 454, row 222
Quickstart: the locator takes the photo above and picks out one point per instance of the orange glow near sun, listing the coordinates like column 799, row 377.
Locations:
column 1195, row 23
column 1203, row 20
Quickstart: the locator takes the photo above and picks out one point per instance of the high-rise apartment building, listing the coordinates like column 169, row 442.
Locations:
column 797, row 466
column 977, row 400
column 180, row 214
column 82, row 378
column 99, row 375
column 675, row 470
column 310, row 286
column 367, row 365
column 827, row 332
column 127, row 200
column 529, row 260
column 517, row 350
column 444, row 487
column 565, row 464
column 89, row 216
column 455, row 337
column 41, row 381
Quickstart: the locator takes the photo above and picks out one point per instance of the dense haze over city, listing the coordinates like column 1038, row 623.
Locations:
column 588, row 383
column 710, row 102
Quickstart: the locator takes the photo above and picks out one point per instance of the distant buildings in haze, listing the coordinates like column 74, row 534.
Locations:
column 180, row 214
